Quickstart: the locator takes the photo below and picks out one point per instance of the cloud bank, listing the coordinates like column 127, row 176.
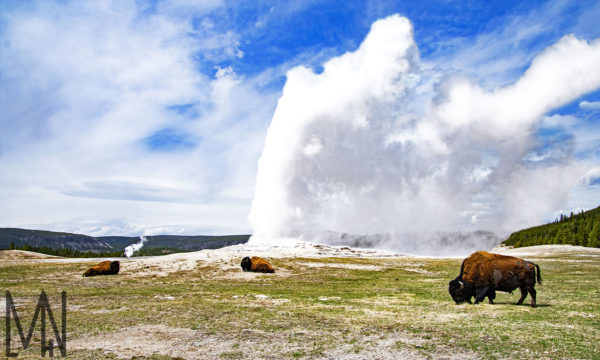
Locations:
column 109, row 128
column 147, row 117
column 377, row 146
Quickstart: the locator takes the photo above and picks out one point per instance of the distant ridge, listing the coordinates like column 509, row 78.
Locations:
column 59, row 240
column 156, row 245
column 581, row 229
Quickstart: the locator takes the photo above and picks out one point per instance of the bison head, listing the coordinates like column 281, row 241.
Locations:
column 114, row 267
column 459, row 291
column 246, row 264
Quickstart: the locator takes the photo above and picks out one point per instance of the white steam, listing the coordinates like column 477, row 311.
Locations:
column 129, row 250
column 375, row 146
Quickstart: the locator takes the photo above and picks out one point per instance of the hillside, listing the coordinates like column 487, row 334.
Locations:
column 60, row 240
column 577, row 229
column 78, row 245
column 167, row 244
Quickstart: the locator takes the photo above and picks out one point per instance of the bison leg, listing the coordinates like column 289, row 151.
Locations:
column 523, row 295
column 491, row 295
column 481, row 293
column 532, row 292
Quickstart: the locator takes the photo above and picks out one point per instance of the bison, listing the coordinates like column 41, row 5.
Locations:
column 104, row 268
column 256, row 264
column 484, row 273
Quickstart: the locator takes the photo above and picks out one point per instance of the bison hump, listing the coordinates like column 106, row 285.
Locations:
column 484, row 269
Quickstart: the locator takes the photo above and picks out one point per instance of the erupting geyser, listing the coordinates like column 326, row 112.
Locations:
column 377, row 151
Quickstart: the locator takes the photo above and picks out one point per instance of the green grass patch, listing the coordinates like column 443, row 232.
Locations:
column 314, row 311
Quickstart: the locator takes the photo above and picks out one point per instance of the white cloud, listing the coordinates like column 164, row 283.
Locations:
column 497, row 55
column 84, row 85
column 215, row 45
column 186, row 8
column 406, row 150
column 591, row 177
column 556, row 120
column 589, row 105
column 514, row 108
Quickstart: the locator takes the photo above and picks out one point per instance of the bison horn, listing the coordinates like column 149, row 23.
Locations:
column 462, row 285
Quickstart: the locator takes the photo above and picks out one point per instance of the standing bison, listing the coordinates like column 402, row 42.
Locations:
column 482, row 273
column 256, row 264
column 104, row 268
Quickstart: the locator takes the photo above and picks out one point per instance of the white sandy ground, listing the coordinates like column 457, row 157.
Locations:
column 20, row 255
column 148, row 340
column 546, row 250
column 228, row 258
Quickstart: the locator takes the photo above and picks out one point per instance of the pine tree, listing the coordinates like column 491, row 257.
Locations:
column 594, row 237
column 580, row 239
column 556, row 239
column 563, row 236
column 11, row 246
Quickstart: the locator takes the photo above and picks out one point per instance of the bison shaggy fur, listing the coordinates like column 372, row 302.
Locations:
column 484, row 273
column 104, row 268
column 256, row 264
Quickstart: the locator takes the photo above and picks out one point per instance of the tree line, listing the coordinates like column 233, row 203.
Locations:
column 581, row 229
column 65, row 252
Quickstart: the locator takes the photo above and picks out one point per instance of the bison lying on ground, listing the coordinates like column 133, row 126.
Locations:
column 256, row 264
column 482, row 273
column 104, row 268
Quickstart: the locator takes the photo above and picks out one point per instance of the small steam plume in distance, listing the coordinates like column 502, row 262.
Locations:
column 377, row 152
column 131, row 249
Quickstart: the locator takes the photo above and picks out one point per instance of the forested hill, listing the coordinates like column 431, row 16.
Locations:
column 577, row 229
column 77, row 245
column 20, row 238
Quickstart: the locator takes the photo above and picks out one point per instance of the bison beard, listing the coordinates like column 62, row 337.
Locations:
column 104, row 268
column 256, row 264
column 483, row 273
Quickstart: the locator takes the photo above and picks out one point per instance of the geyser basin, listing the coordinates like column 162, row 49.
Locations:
column 377, row 145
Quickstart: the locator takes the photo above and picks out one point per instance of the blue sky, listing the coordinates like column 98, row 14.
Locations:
column 149, row 117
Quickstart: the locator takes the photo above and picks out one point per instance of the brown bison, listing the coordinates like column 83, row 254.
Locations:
column 256, row 264
column 104, row 268
column 484, row 273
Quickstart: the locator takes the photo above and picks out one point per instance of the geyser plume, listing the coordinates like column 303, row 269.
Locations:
column 375, row 147
column 131, row 249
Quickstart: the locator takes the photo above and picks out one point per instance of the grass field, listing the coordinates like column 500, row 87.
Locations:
column 311, row 308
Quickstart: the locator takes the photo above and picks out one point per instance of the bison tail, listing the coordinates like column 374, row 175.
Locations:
column 539, row 274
